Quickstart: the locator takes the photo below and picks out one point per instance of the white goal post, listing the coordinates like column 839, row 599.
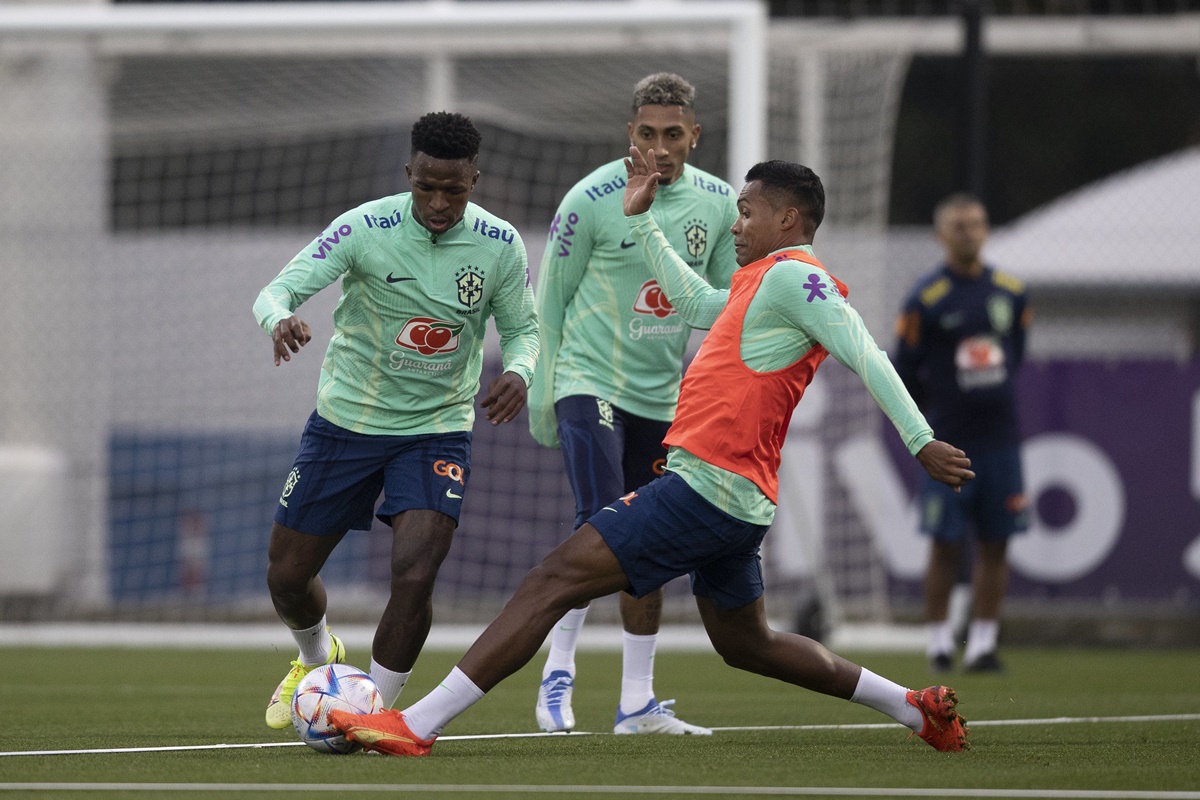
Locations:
column 113, row 108
column 438, row 31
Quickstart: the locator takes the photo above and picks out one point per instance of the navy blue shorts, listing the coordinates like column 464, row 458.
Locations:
column 666, row 529
column 339, row 474
column 607, row 451
column 993, row 506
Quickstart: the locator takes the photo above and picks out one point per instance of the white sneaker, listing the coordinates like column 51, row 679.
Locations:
column 656, row 717
column 554, row 702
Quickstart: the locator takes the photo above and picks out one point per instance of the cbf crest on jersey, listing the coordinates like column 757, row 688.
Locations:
column 470, row 286
column 1000, row 312
column 696, row 236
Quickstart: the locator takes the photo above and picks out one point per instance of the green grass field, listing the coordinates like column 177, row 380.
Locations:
column 75, row 699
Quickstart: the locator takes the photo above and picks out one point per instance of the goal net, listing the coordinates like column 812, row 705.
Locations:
column 160, row 165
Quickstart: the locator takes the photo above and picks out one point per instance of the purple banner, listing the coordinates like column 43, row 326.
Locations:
column 1111, row 454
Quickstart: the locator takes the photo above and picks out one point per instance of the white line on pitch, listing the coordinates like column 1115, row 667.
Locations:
column 987, row 723
column 253, row 745
column 561, row 790
column 466, row 737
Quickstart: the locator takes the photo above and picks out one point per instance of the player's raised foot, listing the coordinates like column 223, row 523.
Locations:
column 988, row 662
column 656, row 717
column 944, row 728
column 386, row 732
column 279, row 709
column 553, row 709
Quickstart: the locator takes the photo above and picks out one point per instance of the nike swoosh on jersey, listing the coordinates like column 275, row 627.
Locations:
column 450, row 493
column 626, row 245
column 390, row 279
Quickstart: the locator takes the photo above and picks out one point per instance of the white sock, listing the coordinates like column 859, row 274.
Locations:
column 389, row 683
column 941, row 638
column 887, row 697
column 454, row 695
column 981, row 638
column 959, row 611
column 637, row 671
column 314, row 644
column 562, row 642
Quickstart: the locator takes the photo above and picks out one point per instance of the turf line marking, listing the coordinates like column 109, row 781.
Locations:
column 686, row 791
column 987, row 723
column 254, row 745
column 540, row 735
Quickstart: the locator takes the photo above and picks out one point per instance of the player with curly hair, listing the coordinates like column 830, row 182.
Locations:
column 421, row 272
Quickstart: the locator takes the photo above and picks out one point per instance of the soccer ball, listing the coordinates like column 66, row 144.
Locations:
column 339, row 686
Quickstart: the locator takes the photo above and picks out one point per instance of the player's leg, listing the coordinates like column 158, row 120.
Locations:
column 421, row 539
column 991, row 584
column 630, row 544
column 330, row 489
column 944, row 520
column 576, row 572
column 424, row 484
column 1002, row 512
column 294, row 560
column 743, row 639
column 592, row 437
column 643, row 461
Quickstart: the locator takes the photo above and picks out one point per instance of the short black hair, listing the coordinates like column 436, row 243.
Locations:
column 447, row 135
column 785, row 182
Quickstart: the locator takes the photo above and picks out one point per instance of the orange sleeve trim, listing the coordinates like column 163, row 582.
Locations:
column 908, row 328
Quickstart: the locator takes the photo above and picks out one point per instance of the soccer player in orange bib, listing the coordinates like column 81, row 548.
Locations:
column 707, row 516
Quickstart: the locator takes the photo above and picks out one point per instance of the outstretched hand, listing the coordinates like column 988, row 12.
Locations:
column 641, row 182
column 946, row 463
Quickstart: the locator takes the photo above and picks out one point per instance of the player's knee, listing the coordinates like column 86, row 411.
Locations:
column 739, row 649
column 290, row 576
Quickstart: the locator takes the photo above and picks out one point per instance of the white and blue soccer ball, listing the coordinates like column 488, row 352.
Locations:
column 339, row 686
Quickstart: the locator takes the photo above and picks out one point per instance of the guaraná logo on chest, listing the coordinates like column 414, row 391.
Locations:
column 428, row 336
column 651, row 300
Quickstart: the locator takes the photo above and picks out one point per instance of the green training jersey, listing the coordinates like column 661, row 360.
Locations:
column 786, row 318
column 606, row 328
column 407, row 345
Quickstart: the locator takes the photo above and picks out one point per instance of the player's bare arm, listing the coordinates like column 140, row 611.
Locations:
column 506, row 397
column 290, row 335
column 946, row 463
column 641, row 182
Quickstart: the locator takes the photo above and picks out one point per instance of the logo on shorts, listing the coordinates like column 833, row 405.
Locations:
column 606, row 415
column 449, row 470
column 651, row 300
column 292, row 479
column 427, row 335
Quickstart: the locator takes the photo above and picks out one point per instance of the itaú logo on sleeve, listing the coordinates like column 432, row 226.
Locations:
column 651, row 300
column 427, row 335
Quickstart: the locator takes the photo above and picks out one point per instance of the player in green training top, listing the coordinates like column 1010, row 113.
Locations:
column 421, row 273
column 607, row 379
